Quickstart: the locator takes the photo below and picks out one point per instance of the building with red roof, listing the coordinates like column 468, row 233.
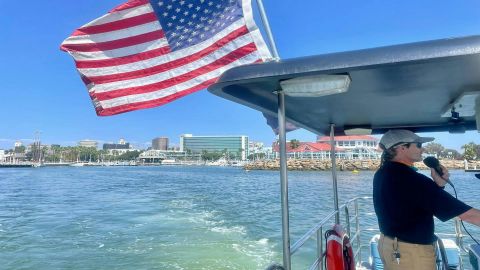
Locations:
column 346, row 147
column 309, row 150
column 355, row 146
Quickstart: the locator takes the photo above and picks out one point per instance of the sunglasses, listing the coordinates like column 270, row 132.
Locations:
column 418, row 144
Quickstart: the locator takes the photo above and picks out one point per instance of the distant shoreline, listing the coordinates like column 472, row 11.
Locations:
column 344, row 165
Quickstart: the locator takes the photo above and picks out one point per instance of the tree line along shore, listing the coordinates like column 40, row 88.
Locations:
column 345, row 165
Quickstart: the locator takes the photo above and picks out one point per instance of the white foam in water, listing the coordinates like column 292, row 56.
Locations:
column 228, row 230
column 204, row 217
column 263, row 241
column 260, row 251
column 170, row 265
column 182, row 204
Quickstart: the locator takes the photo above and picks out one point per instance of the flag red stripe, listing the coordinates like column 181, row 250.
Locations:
column 153, row 53
column 152, row 103
column 116, row 25
column 169, row 65
column 123, row 60
column 115, row 44
column 223, row 61
column 130, row 4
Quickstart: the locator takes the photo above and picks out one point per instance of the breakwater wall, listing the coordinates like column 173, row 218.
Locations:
column 343, row 165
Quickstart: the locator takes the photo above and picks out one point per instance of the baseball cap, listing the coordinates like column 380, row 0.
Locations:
column 397, row 136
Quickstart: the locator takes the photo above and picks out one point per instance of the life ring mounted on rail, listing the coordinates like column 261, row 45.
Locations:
column 339, row 254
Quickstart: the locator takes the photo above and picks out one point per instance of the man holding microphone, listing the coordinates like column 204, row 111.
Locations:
column 406, row 201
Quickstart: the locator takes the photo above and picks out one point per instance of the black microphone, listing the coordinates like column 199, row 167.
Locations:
column 433, row 163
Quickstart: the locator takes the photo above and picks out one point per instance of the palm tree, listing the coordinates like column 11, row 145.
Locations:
column 294, row 143
column 470, row 151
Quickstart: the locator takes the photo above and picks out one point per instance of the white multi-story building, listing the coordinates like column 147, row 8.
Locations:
column 119, row 148
column 356, row 146
column 255, row 147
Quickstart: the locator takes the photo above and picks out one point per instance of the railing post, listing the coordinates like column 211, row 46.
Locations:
column 357, row 227
column 320, row 247
column 347, row 221
column 334, row 173
column 458, row 234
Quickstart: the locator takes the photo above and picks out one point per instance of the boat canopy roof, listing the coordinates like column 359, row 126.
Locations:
column 412, row 86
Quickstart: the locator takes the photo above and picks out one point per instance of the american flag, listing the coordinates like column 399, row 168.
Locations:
column 144, row 53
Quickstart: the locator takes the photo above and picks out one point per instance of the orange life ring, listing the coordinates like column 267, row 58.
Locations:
column 339, row 251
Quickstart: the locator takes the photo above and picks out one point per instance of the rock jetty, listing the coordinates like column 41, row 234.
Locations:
column 342, row 165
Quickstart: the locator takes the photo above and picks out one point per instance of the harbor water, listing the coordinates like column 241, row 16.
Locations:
column 170, row 217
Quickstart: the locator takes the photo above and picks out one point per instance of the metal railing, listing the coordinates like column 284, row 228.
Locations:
column 458, row 235
column 317, row 232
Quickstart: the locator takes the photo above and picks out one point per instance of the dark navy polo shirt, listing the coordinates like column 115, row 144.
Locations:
column 406, row 201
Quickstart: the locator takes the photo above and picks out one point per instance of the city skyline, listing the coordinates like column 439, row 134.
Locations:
column 41, row 90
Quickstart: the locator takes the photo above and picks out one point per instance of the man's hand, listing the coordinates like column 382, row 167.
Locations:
column 471, row 216
column 440, row 180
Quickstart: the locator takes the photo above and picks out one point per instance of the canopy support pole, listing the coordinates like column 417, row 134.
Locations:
column 283, row 180
column 334, row 173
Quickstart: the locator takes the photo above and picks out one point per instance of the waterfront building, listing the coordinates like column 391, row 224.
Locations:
column 255, row 147
column 160, row 156
column 13, row 157
column 257, row 150
column 18, row 147
column 2, row 155
column 160, row 143
column 122, row 144
column 36, row 145
column 269, row 153
column 88, row 143
column 308, row 150
column 356, row 146
column 231, row 145
column 119, row 148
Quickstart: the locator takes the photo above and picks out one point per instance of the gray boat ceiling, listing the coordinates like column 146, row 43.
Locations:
column 402, row 86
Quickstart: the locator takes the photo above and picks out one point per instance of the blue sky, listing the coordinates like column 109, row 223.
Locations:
column 41, row 90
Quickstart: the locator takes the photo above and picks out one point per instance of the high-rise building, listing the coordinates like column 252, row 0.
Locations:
column 160, row 143
column 232, row 145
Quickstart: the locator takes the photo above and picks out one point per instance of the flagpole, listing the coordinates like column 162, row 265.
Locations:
column 267, row 29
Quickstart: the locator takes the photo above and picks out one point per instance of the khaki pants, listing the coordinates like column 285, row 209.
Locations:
column 412, row 256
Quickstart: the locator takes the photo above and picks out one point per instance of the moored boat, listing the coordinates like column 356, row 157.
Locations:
column 16, row 165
